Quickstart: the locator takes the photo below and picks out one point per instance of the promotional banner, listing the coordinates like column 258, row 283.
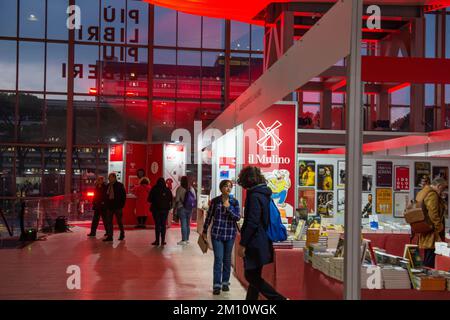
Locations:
column 402, row 178
column 384, row 174
column 135, row 160
column 115, row 160
column 174, row 164
column 269, row 143
column 154, row 162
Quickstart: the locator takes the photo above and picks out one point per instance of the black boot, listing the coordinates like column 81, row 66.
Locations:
column 122, row 236
column 163, row 237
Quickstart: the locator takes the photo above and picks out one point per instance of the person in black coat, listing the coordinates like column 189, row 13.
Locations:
column 255, row 246
column 99, row 205
column 160, row 198
column 115, row 201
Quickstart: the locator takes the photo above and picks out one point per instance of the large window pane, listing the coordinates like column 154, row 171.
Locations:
column 165, row 72
column 32, row 18
column 6, row 171
column 89, row 21
column 85, row 115
column 31, row 66
column 86, row 68
column 430, row 97
column 57, row 19
column 112, row 119
column 188, row 74
column 83, row 169
column 8, row 65
column 54, row 171
column 213, row 73
column 400, row 118
column 401, row 97
column 240, row 36
column 136, row 74
column 136, row 111
column 447, row 35
column 137, row 25
column 163, row 117
column 31, row 109
column 256, row 66
column 112, row 71
column 239, row 74
column 113, row 28
column 189, row 30
column 430, row 36
column 185, row 115
column 257, row 38
column 56, row 59
column 29, row 171
column 55, row 119
column 8, row 18
column 213, row 33
column 7, row 116
column 165, row 27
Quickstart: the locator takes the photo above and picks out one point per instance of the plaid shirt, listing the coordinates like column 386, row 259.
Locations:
column 224, row 223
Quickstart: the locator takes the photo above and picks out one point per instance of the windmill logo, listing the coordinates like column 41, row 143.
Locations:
column 269, row 135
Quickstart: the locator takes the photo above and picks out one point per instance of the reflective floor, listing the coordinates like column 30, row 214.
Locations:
column 130, row 269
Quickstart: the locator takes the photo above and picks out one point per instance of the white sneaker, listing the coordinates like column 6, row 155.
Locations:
column 181, row 243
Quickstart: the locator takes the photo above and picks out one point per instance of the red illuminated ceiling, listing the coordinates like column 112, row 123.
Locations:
column 246, row 10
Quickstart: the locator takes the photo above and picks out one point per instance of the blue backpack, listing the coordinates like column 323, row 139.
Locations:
column 189, row 200
column 276, row 231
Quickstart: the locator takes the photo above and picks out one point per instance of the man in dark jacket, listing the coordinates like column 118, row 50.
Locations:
column 161, row 199
column 255, row 246
column 115, row 201
column 99, row 205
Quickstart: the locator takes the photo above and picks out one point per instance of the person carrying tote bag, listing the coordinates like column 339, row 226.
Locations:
column 222, row 217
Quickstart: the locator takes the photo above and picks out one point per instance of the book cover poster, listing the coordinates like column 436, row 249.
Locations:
column 401, row 200
column 341, row 173
column 384, row 174
column 325, row 177
column 307, row 200
column 325, row 204
column 366, row 204
column 307, row 173
column 367, row 178
column 340, row 201
column 421, row 170
column 440, row 172
column 384, row 200
column 402, row 178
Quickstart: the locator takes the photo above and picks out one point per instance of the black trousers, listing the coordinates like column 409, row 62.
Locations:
column 160, row 217
column 428, row 258
column 96, row 218
column 109, row 217
column 258, row 285
column 142, row 220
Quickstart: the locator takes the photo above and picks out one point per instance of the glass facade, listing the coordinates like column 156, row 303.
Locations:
column 114, row 88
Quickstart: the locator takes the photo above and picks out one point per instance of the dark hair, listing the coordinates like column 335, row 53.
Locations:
column 184, row 182
column 223, row 183
column 250, row 177
column 144, row 180
column 160, row 182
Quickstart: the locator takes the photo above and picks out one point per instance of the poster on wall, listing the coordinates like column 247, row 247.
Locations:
column 367, row 178
column 384, row 200
column 307, row 173
column 307, row 200
column 402, row 178
column 366, row 204
column 440, row 172
column 341, row 173
column 116, row 160
column 279, row 181
column 174, row 163
column 340, row 201
column 325, row 177
column 421, row 170
column 401, row 200
column 325, row 204
column 384, row 174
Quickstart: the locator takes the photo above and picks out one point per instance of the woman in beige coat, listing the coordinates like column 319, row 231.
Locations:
column 431, row 197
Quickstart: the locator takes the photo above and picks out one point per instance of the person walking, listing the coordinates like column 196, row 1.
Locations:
column 223, row 213
column 161, row 200
column 255, row 246
column 115, row 201
column 430, row 196
column 185, row 201
column 99, row 205
column 141, row 192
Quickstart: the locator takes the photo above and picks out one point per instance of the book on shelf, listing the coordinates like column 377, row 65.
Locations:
column 412, row 254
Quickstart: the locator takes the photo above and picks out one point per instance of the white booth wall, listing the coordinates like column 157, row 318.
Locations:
column 223, row 147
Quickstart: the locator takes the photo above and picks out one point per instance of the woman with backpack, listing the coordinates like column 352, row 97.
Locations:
column 185, row 201
column 223, row 213
column 160, row 198
column 255, row 246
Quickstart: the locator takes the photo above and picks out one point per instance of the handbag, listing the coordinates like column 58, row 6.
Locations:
column 202, row 244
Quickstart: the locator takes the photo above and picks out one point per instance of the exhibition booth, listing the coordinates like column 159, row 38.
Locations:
column 131, row 161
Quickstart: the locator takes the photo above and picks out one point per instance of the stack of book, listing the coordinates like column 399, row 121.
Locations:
column 424, row 282
column 333, row 240
column 395, row 277
column 299, row 243
column 321, row 261
column 365, row 275
column 323, row 240
column 288, row 244
column 337, row 268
